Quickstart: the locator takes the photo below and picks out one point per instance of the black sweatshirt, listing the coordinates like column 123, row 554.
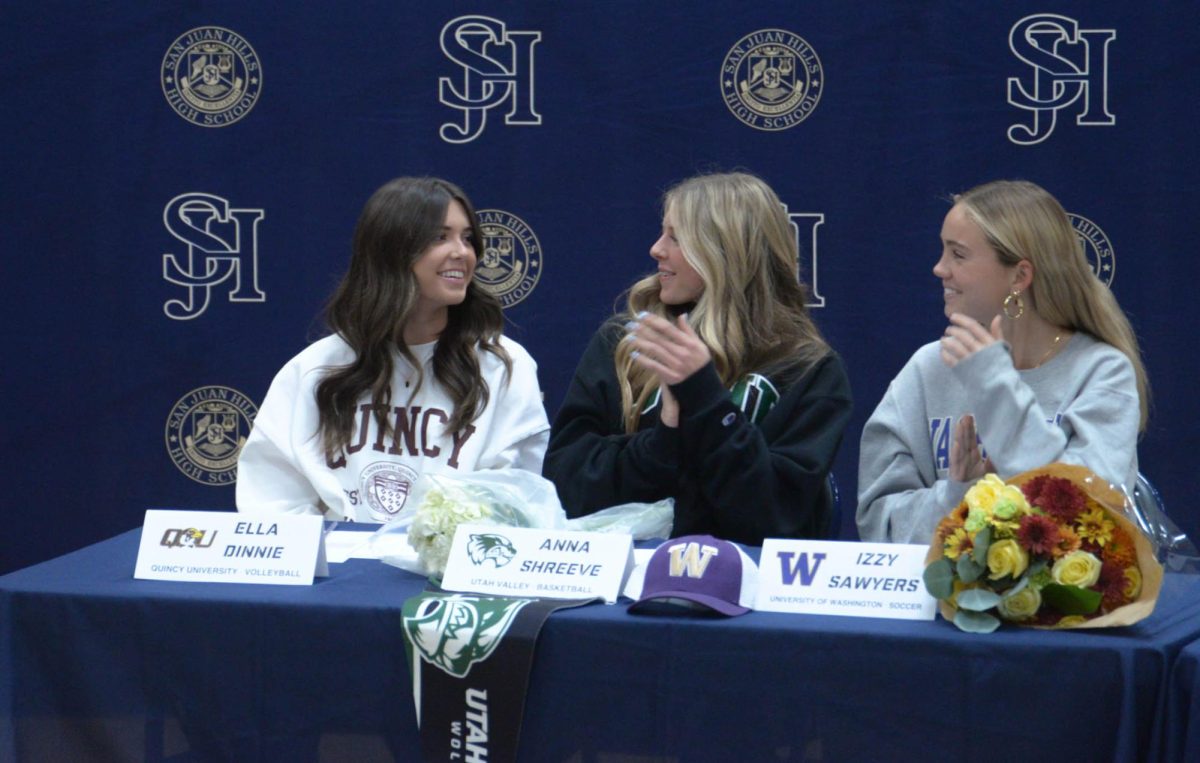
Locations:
column 730, row 478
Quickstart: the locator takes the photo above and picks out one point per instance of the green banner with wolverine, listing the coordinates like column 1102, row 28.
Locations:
column 470, row 658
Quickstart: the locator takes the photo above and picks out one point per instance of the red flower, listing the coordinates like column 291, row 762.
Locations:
column 1057, row 496
column 1038, row 534
column 1111, row 586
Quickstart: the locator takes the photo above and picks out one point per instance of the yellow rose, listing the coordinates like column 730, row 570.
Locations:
column 1022, row 605
column 1005, row 557
column 1078, row 568
column 1133, row 582
column 983, row 493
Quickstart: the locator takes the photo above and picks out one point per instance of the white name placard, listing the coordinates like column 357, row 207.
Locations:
column 227, row 547
column 547, row 564
column 823, row 577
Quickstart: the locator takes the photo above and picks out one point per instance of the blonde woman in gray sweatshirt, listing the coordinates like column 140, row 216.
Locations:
column 1037, row 364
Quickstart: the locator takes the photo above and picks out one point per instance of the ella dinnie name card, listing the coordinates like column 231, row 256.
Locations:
column 227, row 547
column 546, row 564
column 823, row 577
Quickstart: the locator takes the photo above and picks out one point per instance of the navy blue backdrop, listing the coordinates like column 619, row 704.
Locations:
column 181, row 181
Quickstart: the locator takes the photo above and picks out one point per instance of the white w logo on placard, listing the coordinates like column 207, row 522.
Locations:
column 497, row 69
column 690, row 559
column 222, row 244
column 1070, row 65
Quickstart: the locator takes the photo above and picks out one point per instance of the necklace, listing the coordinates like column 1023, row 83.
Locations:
column 1049, row 352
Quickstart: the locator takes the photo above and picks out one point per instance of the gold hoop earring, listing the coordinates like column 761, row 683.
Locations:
column 1008, row 303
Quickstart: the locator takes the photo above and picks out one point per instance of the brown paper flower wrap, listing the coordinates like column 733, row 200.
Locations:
column 1050, row 548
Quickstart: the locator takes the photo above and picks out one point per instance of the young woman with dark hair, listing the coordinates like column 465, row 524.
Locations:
column 415, row 376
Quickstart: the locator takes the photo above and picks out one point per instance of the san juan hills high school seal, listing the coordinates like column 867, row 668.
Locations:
column 206, row 431
column 771, row 79
column 512, row 257
column 211, row 76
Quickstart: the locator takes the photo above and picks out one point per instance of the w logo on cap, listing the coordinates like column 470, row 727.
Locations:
column 690, row 559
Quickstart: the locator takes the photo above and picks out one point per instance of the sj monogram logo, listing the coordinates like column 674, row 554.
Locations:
column 222, row 248
column 497, row 69
column 1070, row 68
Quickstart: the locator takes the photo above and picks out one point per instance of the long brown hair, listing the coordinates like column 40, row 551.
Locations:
column 375, row 299
column 1022, row 221
column 735, row 234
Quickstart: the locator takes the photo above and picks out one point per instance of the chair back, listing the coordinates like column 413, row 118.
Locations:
column 833, row 530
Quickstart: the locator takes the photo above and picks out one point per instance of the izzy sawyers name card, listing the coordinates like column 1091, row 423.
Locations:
column 823, row 577
column 226, row 547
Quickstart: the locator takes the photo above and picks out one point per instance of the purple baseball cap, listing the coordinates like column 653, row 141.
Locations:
column 697, row 570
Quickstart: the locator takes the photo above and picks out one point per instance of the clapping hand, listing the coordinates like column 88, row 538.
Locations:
column 966, row 336
column 671, row 351
column 966, row 462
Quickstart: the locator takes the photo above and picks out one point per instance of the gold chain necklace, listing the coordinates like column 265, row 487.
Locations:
column 1049, row 352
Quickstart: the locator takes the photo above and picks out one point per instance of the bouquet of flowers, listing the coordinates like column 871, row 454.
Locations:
column 1050, row 548
column 439, row 503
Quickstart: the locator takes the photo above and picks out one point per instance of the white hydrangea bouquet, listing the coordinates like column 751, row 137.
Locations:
column 439, row 503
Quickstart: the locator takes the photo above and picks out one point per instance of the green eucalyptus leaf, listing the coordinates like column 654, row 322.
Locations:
column 968, row 570
column 977, row 599
column 939, row 579
column 1071, row 600
column 975, row 622
column 983, row 539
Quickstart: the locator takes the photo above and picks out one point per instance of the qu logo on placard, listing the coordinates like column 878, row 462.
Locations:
column 454, row 632
column 1070, row 66
column 497, row 70
column 512, row 257
column 771, row 79
column 222, row 248
column 211, row 76
column 206, row 430
column 1096, row 247
column 189, row 538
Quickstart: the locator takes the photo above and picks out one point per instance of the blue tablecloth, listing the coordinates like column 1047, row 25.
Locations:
column 95, row 665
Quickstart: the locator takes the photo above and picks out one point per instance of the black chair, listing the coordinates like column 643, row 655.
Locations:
column 833, row 530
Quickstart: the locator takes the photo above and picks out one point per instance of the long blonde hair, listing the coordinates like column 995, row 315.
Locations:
column 1022, row 221
column 734, row 233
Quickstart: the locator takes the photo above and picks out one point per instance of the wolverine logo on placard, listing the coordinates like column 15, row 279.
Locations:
column 771, row 79
column 386, row 486
column 189, row 538
column 512, row 257
column 497, row 70
column 454, row 632
column 211, row 76
column 222, row 248
column 492, row 547
column 1096, row 247
column 206, row 431
column 1070, row 68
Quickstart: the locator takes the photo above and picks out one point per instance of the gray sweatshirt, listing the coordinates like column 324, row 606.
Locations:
column 1080, row 407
